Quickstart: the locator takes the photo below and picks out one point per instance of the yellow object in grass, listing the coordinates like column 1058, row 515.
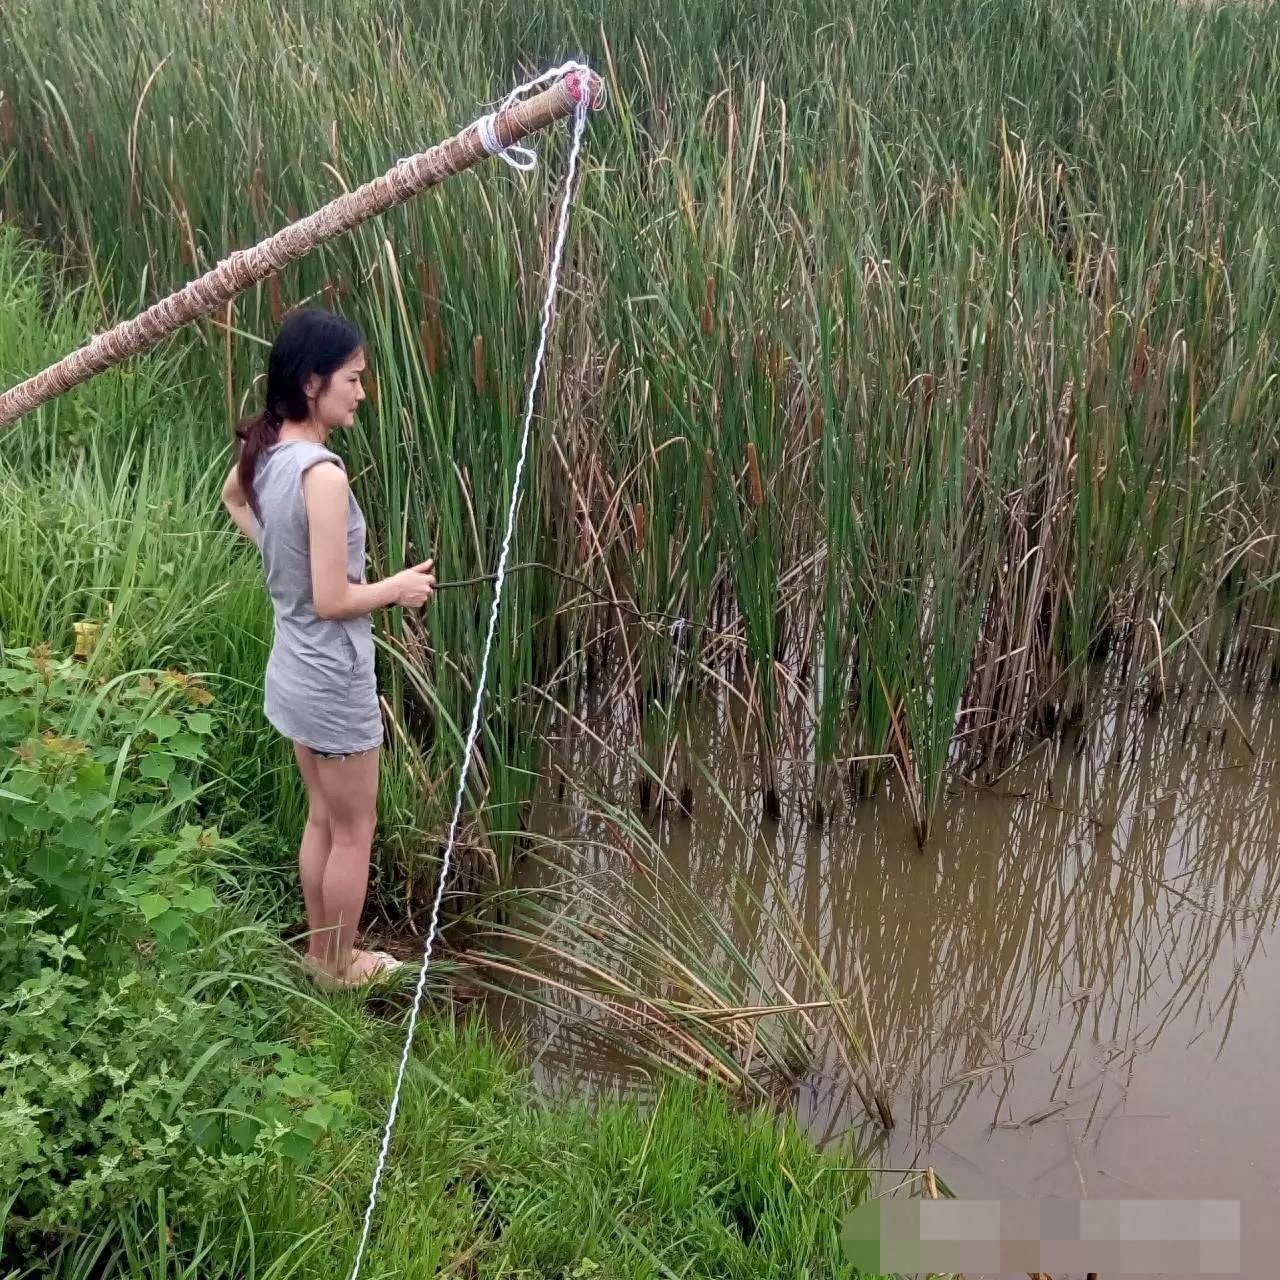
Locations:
column 86, row 638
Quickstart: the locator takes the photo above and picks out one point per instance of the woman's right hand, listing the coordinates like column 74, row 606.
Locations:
column 414, row 587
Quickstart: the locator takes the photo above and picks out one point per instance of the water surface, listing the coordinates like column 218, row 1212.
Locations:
column 1075, row 988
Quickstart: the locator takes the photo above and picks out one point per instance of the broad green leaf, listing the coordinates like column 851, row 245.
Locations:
column 187, row 745
column 82, row 836
column 35, row 817
column 94, row 803
column 91, row 778
column 294, row 1146
column 49, row 863
column 320, row 1114
column 66, row 804
column 143, row 816
column 157, row 765
column 199, row 900
column 153, row 905
column 161, row 726
column 171, row 923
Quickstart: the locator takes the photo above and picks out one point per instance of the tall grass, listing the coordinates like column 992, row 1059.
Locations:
column 920, row 359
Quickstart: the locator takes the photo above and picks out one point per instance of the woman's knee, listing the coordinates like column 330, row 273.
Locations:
column 319, row 820
column 353, row 831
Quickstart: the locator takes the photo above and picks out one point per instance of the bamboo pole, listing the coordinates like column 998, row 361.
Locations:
column 246, row 267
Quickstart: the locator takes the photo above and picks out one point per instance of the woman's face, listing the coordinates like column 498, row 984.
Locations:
column 336, row 405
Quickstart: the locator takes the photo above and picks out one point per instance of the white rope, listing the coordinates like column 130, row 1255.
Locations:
column 553, row 276
column 520, row 158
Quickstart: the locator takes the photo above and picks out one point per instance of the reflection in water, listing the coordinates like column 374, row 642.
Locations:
column 1070, row 989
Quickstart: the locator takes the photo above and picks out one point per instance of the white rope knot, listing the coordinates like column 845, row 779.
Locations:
column 520, row 158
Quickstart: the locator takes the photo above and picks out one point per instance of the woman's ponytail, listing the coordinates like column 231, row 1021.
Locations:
column 255, row 435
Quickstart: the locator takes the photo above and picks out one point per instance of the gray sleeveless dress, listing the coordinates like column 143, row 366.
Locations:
column 319, row 686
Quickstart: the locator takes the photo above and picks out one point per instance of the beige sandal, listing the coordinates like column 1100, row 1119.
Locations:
column 321, row 976
column 383, row 964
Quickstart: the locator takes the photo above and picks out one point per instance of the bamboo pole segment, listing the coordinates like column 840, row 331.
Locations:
column 246, row 267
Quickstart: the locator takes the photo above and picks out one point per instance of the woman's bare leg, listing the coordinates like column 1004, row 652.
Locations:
column 349, row 789
column 313, row 857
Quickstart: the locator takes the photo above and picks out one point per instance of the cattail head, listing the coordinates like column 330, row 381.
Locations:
column 274, row 298
column 430, row 331
column 753, row 475
column 429, row 287
column 708, row 304
column 1138, row 366
column 477, row 363
column 8, row 133
column 430, row 352
column 637, row 515
column 708, row 479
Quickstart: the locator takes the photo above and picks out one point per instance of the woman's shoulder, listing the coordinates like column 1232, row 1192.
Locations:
column 303, row 454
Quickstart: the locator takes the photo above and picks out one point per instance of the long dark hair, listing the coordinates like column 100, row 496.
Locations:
column 310, row 341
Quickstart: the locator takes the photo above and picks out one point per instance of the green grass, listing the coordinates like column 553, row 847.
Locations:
column 487, row 1181
column 480, row 1171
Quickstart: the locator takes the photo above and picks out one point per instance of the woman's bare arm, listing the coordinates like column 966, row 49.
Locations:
column 324, row 488
column 238, row 508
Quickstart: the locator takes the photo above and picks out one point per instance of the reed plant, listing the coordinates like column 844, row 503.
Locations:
column 916, row 390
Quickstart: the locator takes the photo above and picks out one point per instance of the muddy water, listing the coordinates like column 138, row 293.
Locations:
column 1075, row 988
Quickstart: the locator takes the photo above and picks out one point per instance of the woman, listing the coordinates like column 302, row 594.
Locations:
column 288, row 492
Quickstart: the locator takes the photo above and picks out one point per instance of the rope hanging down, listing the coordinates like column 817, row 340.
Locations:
column 446, row 860
column 576, row 87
